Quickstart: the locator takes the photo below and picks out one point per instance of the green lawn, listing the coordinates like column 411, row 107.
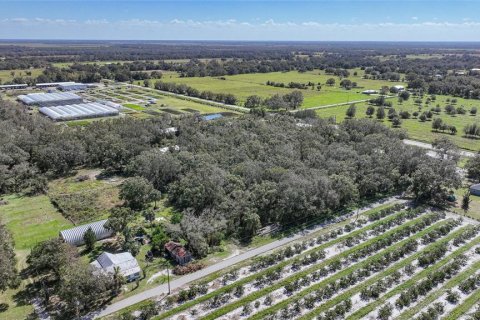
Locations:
column 32, row 220
column 244, row 85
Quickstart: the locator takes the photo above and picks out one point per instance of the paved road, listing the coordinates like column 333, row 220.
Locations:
column 179, row 282
column 428, row 146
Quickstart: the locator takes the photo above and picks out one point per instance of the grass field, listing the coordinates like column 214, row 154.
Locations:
column 84, row 201
column 6, row 75
column 32, row 220
column 244, row 85
column 421, row 130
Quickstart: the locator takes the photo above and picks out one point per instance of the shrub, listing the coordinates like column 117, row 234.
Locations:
column 189, row 268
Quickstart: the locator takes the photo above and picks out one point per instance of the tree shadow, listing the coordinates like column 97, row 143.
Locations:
column 3, row 307
column 24, row 297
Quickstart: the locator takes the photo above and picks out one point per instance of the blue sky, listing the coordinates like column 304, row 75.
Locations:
column 356, row 20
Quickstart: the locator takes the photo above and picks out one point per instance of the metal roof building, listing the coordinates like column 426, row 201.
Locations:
column 128, row 265
column 72, row 86
column 475, row 189
column 78, row 111
column 50, row 99
column 52, row 84
column 112, row 104
column 74, row 236
column 13, row 86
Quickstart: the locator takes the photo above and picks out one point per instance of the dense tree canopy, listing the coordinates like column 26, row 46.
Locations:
column 230, row 178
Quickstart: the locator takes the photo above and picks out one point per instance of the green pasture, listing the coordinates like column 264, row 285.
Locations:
column 244, row 85
column 8, row 75
column 417, row 129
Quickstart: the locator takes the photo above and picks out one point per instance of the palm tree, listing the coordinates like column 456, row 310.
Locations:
column 118, row 280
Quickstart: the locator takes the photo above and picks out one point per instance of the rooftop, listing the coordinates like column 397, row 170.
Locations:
column 125, row 261
column 79, row 111
column 48, row 97
column 176, row 249
column 74, row 236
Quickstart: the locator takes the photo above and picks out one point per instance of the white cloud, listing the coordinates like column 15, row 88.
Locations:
column 231, row 29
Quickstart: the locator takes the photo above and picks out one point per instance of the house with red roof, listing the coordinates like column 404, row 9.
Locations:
column 178, row 252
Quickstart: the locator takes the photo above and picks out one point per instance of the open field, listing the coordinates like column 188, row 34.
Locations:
column 244, row 85
column 83, row 201
column 8, row 75
column 32, row 220
column 341, row 271
column 417, row 129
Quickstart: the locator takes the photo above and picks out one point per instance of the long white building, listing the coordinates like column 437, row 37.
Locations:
column 79, row 111
column 50, row 99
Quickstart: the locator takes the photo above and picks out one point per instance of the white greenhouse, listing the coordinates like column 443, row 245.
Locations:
column 74, row 236
column 79, row 111
column 50, row 99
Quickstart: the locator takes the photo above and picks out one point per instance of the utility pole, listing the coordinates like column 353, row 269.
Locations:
column 168, row 279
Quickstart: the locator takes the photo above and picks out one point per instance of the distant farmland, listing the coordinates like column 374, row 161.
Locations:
column 245, row 85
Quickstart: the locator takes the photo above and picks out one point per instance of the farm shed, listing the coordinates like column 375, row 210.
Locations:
column 50, row 99
column 13, row 86
column 398, row 88
column 74, row 236
column 72, row 86
column 475, row 71
column 52, row 84
column 369, row 91
column 178, row 252
column 475, row 189
column 127, row 264
column 78, row 111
